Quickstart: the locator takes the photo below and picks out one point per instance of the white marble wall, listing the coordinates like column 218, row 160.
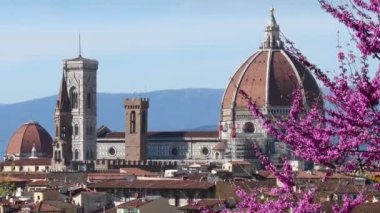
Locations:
column 185, row 150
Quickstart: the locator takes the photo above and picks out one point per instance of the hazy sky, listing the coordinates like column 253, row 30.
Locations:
column 146, row 45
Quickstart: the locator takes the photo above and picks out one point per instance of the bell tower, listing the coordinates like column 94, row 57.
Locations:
column 81, row 86
column 136, row 128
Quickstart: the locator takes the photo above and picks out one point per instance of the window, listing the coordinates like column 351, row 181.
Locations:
column 248, row 127
column 63, row 132
column 133, row 122
column 76, row 130
column 205, row 151
column 111, row 151
column 74, row 98
column 76, row 155
column 174, row 151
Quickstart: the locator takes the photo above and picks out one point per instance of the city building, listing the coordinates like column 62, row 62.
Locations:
column 268, row 77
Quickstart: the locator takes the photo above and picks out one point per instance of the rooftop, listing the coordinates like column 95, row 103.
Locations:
column 154, row 184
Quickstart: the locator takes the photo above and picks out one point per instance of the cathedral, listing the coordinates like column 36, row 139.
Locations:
column 264, row 76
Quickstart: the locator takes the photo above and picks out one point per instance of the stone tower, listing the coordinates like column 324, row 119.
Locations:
column 78, row 116
column 136, row 128
column 62, row 154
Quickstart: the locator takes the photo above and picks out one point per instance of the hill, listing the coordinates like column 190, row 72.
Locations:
column 170, row 110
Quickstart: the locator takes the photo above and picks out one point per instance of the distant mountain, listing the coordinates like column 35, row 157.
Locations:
column 170, row 110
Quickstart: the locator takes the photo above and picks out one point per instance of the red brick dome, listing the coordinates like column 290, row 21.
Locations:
column 29, row 135
column 269, row 77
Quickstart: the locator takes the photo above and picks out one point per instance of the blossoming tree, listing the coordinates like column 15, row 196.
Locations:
column 345, row 137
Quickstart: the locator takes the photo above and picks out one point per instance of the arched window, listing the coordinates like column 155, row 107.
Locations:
column 74, row 98
column 76, row 155
column 133, row 122
column 89, row 100
column 76, row 130
column 59, row 155
column 63, row 132
column 217, row 155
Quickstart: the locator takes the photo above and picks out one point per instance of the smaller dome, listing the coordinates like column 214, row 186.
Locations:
column 30, row 137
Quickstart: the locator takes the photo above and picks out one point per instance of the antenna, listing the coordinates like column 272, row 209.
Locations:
column 80, row 47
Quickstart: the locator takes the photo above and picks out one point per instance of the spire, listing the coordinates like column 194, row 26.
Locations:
column 272, row 34
column 63, row 97
column 80, row 47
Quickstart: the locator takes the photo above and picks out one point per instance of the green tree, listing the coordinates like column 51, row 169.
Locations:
column 7, row 188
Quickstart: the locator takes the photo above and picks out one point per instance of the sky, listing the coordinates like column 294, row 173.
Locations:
column 148, row 45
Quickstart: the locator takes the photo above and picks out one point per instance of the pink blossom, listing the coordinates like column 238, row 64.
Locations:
column 344, row 133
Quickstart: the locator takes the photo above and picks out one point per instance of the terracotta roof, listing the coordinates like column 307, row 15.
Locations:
column 30, row 176
column 39, row 183
column 253, row 78
column 28, row 162
column 342, row 187
column 114, row 135
column 220, row 146
column 154, row 184
column 29, row 134
column 308, row 175
column 45, row 207
column 319, row 175
column 94, row 177
column 12, row 179
column 184, row 134
column 226, row 190
column 137, row 172
column 128, row 172
column 53, row 206
column 132, row 204
column 214, row 204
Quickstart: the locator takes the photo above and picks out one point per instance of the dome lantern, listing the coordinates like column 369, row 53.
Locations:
column 272, row 34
